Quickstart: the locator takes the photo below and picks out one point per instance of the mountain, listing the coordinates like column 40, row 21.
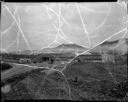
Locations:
column 65, row 48
column 120, row 45
column 3, row 51
column 26, row 52
column 75, row 46
column 72, row 48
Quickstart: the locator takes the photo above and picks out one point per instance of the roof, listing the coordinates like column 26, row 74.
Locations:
column 25, row 58
column 44, row 55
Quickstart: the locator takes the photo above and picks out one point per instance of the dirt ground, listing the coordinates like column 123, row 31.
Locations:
column 79, row 81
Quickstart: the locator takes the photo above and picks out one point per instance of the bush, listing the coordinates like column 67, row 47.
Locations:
column 5, row 66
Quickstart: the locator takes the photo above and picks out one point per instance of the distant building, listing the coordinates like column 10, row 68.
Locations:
column 25, row 60
column 44, row 58
column 89, row 58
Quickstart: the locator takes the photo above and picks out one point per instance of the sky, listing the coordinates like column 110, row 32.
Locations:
column 35, row 26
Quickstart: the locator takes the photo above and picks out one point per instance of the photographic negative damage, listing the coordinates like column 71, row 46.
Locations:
column 64, row 51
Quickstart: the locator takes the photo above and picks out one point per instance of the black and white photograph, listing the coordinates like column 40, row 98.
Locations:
column 75, row 51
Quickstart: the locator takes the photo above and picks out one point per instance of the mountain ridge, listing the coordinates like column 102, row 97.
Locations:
column 65, row 48
column 120, row 45
column 123, row 43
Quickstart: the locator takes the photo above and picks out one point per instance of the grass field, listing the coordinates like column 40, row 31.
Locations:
column 87, row 81
column 95, row 83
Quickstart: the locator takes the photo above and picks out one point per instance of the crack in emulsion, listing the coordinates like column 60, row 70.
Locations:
column 59, row 30
column 9, row 28
column 52, row 69
column 95, row 46
column 15, row 41
column 18, row 24
column 85, row 30
column 10, row 44
column 105, row 19
column 12, row 24
column 18, row 37
column 64, row 20
column 93, row 11
column 123, row 36
column 62, row 35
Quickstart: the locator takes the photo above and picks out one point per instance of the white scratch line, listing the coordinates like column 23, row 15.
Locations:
column 19, row 28
column 94, row 11
column 120, row 40
column 6, row 30
column 109, row 9
column 62, row 35
column 95, row 46
column 58, row 15
column 85, row 30
column 10, row 44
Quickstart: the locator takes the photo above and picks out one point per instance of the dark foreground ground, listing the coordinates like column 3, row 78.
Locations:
column 86, row 82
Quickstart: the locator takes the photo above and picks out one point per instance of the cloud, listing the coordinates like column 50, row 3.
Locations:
column 38, row 28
